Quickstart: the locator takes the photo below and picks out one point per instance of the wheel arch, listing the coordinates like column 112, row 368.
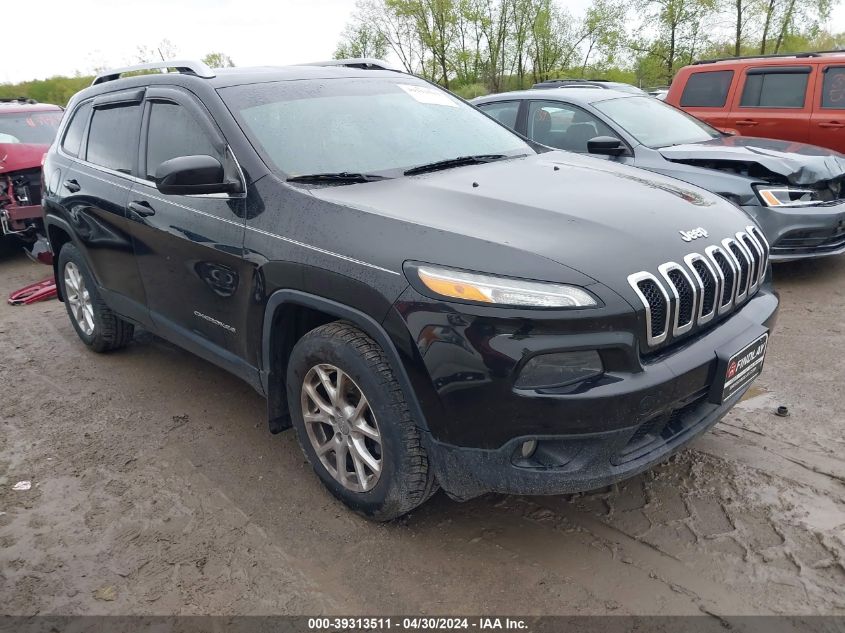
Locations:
column 307, row 311
column 59, row 233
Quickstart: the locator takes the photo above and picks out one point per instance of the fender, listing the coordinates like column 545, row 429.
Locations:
column 278, row 416
column 59, row 222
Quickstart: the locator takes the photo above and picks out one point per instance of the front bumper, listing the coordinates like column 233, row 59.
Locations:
column 802, row 232
column 577, row 463
column 587, row 436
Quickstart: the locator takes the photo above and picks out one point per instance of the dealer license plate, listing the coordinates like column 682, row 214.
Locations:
column 742, row 368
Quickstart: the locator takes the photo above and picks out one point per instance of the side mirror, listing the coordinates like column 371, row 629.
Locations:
column 606, row 146
column 186, row 175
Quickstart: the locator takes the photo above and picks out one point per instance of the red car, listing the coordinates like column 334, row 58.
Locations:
column 27, row 130
column 796, row 97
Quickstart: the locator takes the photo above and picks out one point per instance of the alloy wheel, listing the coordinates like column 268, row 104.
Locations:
column 79, row 299
column 342, row 427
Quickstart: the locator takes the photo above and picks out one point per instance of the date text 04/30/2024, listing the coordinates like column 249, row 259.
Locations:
column 417, row 624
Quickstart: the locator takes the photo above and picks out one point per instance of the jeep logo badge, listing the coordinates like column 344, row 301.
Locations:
column 694, row 234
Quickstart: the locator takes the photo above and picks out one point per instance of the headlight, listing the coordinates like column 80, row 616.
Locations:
column 788, row 196
column 456, row 284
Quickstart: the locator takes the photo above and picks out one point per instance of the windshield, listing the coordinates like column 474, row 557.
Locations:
column 38, row 128
column 655, row 124
column 363, row 126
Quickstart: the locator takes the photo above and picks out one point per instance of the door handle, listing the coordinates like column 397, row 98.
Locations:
column 832, row 124
column 746, row 122
column 141, row 208
column 71, row 185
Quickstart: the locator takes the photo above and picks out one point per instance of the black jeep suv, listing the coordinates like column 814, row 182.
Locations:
column 425, row 297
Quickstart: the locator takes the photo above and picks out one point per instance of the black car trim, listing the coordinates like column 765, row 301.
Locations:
column 122, row 97
column 780, row 70
column 364, row 321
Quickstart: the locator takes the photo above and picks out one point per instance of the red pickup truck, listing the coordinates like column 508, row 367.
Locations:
column 796, row 97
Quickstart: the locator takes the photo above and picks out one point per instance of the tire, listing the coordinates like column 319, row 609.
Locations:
column 405, row 479
column 97, row 326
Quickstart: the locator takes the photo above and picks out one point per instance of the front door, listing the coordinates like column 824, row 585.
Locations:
column 189, row 248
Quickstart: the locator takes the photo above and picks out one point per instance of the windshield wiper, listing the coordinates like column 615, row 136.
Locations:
column 341, row 178
column 454, row 162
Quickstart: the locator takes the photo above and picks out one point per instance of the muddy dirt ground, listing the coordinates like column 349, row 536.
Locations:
column 157, row 489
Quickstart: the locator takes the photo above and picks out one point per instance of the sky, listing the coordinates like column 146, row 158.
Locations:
column 80, row 35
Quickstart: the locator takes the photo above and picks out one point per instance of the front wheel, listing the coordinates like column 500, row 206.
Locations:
column 95, row 323
column 354, row 424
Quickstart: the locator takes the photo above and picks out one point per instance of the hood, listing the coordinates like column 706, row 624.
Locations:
column 18, row 156
column 599, row 218
column 768, row 159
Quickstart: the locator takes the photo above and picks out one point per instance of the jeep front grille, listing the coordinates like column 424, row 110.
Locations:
column 691, row 294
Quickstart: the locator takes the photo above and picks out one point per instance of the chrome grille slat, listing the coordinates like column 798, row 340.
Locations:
column 708, row 284
column 656, row 333
column 728, row 273
column 757, row 235
column 756, row 253
column 679, row 297
column 742, row 265
column 703, row 287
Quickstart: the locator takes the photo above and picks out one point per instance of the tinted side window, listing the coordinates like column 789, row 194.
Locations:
column 564, row 126
column 73, row 135
column 175, row 132
column 707, row 90
column 113, row 137
column 833, row 89
column 504, row 112
column 775, row 90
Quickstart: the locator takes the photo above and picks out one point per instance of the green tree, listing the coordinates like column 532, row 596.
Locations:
column 218, row 60
column 361, row 39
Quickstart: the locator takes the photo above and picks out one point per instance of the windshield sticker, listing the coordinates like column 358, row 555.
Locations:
column 425, row 94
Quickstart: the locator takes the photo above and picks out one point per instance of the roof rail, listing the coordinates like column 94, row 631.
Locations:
column 364, row 63
column 186, row 67
column 768, row 56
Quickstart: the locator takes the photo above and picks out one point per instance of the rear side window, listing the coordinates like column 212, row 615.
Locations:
column 175, row 132
column 707, row 90
column 113, row 137
column 775, row 90
column 833, row 89
column 504, row 112
column 73, row 137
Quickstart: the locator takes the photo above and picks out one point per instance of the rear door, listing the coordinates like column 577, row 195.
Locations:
column 773, row 102
column 189, row 247
column 94, row 191
column 827, row 126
